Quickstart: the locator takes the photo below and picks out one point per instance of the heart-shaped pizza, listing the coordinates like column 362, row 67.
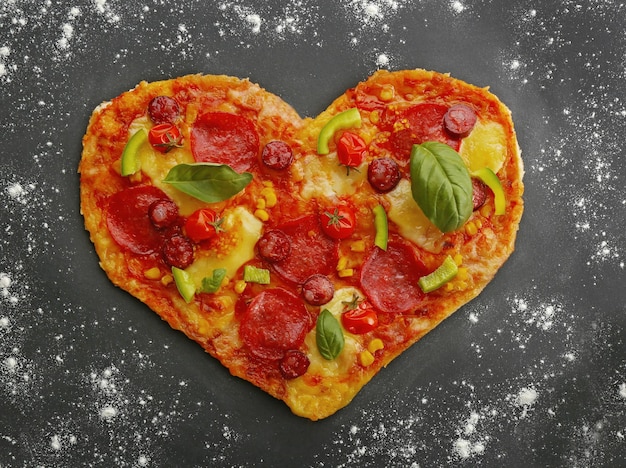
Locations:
column 304, row 254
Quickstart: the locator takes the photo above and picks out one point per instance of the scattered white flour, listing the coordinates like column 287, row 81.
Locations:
column 113, row 398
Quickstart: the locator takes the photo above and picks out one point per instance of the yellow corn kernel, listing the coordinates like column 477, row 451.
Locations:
column 342, row 263
column 471, row 229
column 462, row 274
column 461, row 285
column 478, row 222
column 260, row 204
column 366, row 358
column 270, row 197
column 386, row 94
column 240, row 285
column 458, row 259
column 166, row 280
column 262, row 215
column 346, row 272
column 486, row 210
column 268, row 183
column 358, row 246
column 449, row 286
column 375, row 345
column 153, row 273
column 375, row 116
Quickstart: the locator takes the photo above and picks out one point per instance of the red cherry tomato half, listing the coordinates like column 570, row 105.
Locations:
column 360, row 320
column 338, row 222
column 203, row 224
column 165, row 137
column 351, row 149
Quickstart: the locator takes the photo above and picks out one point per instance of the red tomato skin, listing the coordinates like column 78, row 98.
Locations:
column 338, row 222
column 202, row 225
column 361, row 320
column 351, row 149
column 164, row 137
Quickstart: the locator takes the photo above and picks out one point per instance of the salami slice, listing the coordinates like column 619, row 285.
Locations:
column 275, row 321
column 128, row 220
column 311, row 251
column 390, row 278
column 224, row 138
column 418, row 124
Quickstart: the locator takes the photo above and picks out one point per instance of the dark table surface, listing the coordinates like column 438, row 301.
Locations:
column 531, row 373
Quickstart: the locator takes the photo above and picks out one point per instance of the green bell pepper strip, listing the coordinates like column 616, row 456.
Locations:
column 130, row 160
column 347, row 119
column 382, row 227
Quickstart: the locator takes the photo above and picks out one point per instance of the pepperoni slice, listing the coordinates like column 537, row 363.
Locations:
column 390, row 278
column 224, row 138
column 277, row 155
column 418, row 124
column 479, row 193
column 318, row 289
column 311, row 251
column 128, row 220
column 459, row 120
column 275, row 321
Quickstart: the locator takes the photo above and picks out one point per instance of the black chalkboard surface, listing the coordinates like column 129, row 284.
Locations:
column 531, row 373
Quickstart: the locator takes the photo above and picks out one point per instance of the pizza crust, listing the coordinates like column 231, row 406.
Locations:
column 213, row 320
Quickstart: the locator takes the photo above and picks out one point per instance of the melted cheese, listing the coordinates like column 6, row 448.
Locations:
column 156, row 167
column 243, row 230
column 485, row 146
column 323, row 176
column 411, row 221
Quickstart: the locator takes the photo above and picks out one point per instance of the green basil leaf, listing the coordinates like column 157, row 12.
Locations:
column 441, row 185
column 211, row 284
column 328, row 335
column 208, row 182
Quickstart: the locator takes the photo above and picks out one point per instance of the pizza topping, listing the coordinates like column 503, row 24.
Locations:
column 252, row 274
column 274, row 322
column 184, row 284
column 128, row 220
column 328, row 335
column 178, row 251
column 274, row 246
column 389, row 278
column 360, row 319
column 441, row 185
column 165, row 137
column 382, row 227
column 444, row 273
column 163, row 109
column 351, row 149
column 163, row 213
column 418, row 124
column 210, row 284
column 224, row 138
column 493, row 182
column 350, row 118
column 383, row 174
column 338, row 222
column 318, row 289
column 294, row 364
column 203, row 224
column 316, row 253
column 210, row 183
column 479, row 193
column 459, row 120
column 130, row 161
column 277, row 155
